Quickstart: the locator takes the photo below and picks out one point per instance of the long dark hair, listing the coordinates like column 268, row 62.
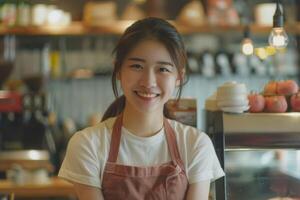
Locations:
column 148, row 28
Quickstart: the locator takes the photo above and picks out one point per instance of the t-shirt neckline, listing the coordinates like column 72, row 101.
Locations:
column 142, row 140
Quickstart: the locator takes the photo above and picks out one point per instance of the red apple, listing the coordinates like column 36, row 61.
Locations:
column 287, row 87
column 295, row 102
column 270, row 88
column 256, row 102
column 276, row 104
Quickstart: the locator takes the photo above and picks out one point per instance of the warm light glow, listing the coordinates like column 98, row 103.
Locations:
column 139, row 1
column 278, row 38
column 247, row 47
column 34, row 155
column 270, row 50
column 261, row 53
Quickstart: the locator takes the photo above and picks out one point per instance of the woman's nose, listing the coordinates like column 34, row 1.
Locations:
column 148, row 79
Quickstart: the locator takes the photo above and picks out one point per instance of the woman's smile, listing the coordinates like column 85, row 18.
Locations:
column 146, row 94
column 146, row 98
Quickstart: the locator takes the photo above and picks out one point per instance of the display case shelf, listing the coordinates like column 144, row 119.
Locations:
column 248, row 132
column 262, row 130
column 79, row 28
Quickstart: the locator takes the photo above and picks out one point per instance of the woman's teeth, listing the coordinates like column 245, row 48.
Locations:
column 147, row 95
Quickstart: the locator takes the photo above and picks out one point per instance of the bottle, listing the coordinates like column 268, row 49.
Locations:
column 1, row 13
column 208, row 68
column 9, row 12
column 23, row 13
column 55, row 64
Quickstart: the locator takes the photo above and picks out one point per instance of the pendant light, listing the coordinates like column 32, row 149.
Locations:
column 278, row 37
column 247, row 44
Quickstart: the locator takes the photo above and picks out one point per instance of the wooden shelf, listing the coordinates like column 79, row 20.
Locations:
column 117, row 28
column 75, row 28
column 254, row 29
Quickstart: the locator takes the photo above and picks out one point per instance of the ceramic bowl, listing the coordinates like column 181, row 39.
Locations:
column 231, row 88
column 236, row 109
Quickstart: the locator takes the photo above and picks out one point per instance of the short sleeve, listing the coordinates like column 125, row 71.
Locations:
column 203, row 163
column 81, row 163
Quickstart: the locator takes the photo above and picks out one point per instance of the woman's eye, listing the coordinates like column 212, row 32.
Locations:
column 164, row 69
column 136, row 66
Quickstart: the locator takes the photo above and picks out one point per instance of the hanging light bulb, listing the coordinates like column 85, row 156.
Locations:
column 247, row 44
column 278, row 37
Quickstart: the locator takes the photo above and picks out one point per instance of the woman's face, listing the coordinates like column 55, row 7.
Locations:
column 148, row 77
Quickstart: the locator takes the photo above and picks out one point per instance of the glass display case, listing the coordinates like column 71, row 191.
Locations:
column 260, row 154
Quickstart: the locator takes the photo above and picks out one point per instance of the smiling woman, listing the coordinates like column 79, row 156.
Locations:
column 136, row 152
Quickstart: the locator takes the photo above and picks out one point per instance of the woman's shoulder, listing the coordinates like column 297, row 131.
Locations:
column 188, row 133
column 184, row 129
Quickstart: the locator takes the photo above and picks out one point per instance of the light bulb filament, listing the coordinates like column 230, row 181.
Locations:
column 278, row 38
column 247, row 46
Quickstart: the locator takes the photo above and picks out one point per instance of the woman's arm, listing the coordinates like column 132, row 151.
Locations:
column 198, row 191
column 85, row 192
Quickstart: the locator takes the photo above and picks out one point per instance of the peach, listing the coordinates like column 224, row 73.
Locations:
column 270, row 88
column 287, row 87
column 295, row 102
column 256, row 102
column 276, row 104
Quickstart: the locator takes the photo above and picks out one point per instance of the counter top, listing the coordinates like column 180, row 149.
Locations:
column 262, row 123
column 56, row 188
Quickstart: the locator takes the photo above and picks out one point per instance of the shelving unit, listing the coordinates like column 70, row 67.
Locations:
column 79, row 28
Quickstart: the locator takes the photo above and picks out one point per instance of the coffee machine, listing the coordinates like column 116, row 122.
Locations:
column 23, row 120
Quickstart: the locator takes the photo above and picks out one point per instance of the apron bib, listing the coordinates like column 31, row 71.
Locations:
column 166, row 181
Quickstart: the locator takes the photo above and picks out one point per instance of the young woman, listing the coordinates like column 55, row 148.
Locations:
column 136, row 152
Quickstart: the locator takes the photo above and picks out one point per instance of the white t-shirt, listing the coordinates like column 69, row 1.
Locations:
column 88, row 150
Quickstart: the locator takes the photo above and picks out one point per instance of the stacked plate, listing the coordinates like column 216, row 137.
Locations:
column 232, row 97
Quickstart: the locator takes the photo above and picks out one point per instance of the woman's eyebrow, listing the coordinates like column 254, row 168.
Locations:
column 143, row 60
column 137, row 59
column 165, row 63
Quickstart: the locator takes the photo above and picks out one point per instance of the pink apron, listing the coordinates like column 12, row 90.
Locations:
column 167, row 181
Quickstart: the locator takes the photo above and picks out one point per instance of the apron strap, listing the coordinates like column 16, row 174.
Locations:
column 116, row 138
column 172, row 143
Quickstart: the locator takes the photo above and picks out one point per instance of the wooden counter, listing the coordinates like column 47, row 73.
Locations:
column 56, row 188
